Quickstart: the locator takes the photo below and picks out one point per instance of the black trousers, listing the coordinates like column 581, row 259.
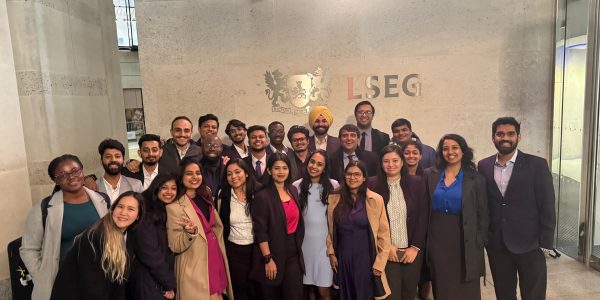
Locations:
column 240, row 261
column 530, row 268
column 404, row 278
column 291, row 288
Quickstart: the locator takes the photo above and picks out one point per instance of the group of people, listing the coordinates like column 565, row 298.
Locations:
column 358, row 216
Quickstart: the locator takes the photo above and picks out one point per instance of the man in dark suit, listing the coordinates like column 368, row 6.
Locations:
column 349, row 151
column 371, row 139
column 298, row 137
column 402, row 133
column 522, row 216
column 180, row 146
column 150, row 150
column 208, row 125
column 276, row 136
column 320, row 119
column 236, row 130
column 213, row 164
column 257, row 160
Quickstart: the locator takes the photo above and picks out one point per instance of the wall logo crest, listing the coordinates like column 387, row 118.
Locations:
column 296, row 94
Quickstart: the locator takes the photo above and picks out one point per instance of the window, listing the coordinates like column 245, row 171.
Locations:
column 126, row 24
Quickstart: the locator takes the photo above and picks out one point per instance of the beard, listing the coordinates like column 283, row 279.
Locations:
column 112, row 171
column 150, row 161
column 320, row 130
column 504, row 149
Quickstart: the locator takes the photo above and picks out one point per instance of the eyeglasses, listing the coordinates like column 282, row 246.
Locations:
column 364, row 112
column 214, row 146
column 298, row 140
column 353, row 175
column 63, row 176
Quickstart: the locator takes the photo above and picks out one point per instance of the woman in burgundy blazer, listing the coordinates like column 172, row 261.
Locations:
column 404, row 270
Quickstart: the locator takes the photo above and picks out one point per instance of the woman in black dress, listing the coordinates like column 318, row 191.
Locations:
column 358, row 243
column 152, row 273
column 458, row 222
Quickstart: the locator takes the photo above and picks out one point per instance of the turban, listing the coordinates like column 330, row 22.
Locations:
column 320, row 111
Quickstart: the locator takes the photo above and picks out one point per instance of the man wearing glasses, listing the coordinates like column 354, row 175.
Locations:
column 522, row 216
column 371, row 139
column 298, row 137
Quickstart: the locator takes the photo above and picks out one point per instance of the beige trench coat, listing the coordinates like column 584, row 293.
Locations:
column 378, row 222
column 191, row 252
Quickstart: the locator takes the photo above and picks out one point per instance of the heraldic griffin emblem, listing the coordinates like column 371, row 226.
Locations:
column 299, row 89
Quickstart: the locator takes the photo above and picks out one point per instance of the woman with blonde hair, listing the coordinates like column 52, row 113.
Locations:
column 97, row 266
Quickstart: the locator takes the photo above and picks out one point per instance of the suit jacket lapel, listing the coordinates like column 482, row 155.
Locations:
column 435, row 178
column 512, row 182
column 490, row 170
column 468, row 184
column 191, row 214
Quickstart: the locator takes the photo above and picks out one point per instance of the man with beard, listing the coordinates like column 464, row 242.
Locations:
column 112, row 183
column 236, row 130
column 276, row 136
column 349, row 151
column 208, row 125
column 213, row 164
column 298, row 137
column 319, row 119
column 522, row 216
column 180, row 145
column 257, row 160
column 371, row 139
column 150, row 150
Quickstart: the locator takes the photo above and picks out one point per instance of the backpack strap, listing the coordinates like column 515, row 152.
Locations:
column 44, row 206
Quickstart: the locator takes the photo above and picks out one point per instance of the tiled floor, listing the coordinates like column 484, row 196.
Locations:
column 567, row 279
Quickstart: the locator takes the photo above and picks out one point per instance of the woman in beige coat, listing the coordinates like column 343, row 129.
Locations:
column 359, row 242
column 195, row 234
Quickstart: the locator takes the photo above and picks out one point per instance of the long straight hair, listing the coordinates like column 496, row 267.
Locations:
column 382, row 176
column 251, row 185
column 156, row 211
column 324, row 180
column 114, row 258
column 346, row 198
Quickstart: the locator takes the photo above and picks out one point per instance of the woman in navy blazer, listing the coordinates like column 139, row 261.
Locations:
column 404, row 270
column 278, row 264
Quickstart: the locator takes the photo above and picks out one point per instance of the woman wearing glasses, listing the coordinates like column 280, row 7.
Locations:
column 71, row 209
column 358, row 243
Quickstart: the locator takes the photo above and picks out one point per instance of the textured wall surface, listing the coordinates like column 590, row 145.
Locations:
column 14, row 179
column 477, row 60
column 68, row 76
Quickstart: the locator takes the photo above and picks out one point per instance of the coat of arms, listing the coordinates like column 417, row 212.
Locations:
column 298, row 90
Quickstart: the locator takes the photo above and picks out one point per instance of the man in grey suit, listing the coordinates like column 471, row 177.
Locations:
column 112, row 153
column 522, row 216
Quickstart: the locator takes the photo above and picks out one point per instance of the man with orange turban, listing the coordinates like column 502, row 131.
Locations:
column 319, row 119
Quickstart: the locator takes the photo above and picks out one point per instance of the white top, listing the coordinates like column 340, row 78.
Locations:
column 321, row 145
column 148, row 177
column 241, row 151
column 240, row 222
column 397, row 215
column 113, row 194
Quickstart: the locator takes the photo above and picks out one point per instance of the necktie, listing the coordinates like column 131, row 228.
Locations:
column 258, row 169
column 350, row 159
column 363, row 137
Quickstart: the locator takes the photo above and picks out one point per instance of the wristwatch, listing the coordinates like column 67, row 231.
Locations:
column 267, row 258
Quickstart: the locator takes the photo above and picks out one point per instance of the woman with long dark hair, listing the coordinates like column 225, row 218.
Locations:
column 405, row 199
column 195, row 235
column 234, row 203
column 98, row 264
column 152, row 273
column 358, row 243
column 413, row 153
column 314, row 189
column 70, row 210
column 458, row 221
column 278, row 263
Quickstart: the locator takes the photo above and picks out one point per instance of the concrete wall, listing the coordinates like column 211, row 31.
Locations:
column 67, row 70
column 477, row 60
column 14, row 179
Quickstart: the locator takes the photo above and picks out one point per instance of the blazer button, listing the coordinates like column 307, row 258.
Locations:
column 503, row 204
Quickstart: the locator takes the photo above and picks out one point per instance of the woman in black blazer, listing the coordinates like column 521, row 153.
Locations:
column 97, row 265
column 278, row 264
column 458, row 222
column 234, row 203
column 152, row 273
column 407, row 215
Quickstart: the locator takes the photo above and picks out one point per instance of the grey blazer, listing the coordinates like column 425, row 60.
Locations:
column 127, row 184
column 40, row 250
